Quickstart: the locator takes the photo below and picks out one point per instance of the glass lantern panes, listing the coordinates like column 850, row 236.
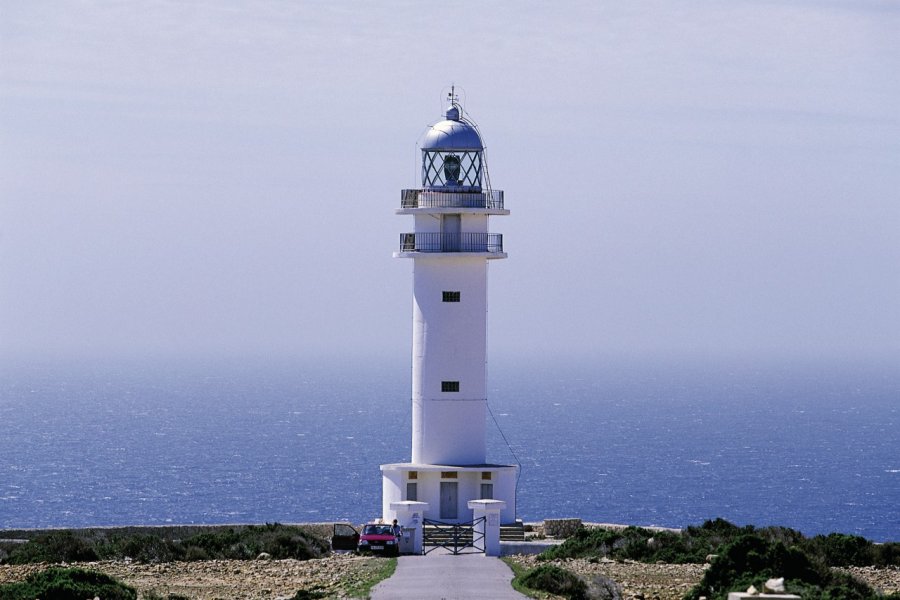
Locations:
column 439, row 166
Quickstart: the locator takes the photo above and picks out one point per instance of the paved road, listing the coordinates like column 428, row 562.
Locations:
column 447, row 577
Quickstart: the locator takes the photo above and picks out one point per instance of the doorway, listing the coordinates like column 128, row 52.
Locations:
column 451, row 228
column 449, row 499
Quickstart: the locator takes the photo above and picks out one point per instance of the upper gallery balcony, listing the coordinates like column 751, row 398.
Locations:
column 490, row 201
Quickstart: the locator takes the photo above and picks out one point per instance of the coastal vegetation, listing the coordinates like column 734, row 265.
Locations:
column 555, row 580
column 751, row 560
column 165, row 545
column 739, row 557
column 229, row 558
column 696, row 544
column 67, row 584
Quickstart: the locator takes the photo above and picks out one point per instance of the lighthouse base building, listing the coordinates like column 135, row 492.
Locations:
column 448, row 488
column 450, row 248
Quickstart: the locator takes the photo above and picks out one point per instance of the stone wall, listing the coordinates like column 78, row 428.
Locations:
column 561, row 528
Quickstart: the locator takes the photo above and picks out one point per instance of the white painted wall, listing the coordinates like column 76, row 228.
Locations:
column 429, row 481
column 392, row 482
column 449, row 344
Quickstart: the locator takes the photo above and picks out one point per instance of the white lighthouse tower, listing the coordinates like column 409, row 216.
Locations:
column 450, row 248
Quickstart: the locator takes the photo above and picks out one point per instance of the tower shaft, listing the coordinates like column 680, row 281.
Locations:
column 449, row 369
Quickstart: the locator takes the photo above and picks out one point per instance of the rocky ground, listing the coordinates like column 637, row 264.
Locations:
column 335, row 575
column 670, row 582
column 229, row 579
column 650, row 581
column 886, row 581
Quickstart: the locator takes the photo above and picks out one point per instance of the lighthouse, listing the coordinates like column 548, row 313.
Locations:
column 450, row 247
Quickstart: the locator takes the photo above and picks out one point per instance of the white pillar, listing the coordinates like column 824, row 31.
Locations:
column 489, row 527
column 409, row 517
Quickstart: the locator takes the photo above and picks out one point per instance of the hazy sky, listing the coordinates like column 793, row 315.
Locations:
column 701, row 177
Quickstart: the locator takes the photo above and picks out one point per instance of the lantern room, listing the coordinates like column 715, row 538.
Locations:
column 452, row 155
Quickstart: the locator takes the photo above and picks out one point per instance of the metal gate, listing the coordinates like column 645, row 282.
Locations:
column 457, row 538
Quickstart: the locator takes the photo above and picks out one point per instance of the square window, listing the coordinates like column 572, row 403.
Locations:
column 413, row 474
column 451, row 296
column 448, row 474
column 486, row 475
column 449, row 386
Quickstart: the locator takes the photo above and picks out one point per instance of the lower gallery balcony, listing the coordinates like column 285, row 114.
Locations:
column 487, row 243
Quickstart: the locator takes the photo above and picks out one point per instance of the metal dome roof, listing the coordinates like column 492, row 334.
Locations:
column 452, row 134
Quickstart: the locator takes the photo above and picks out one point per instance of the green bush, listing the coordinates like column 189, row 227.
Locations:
column 54, row 546
column 840, row 550
column 552, row 579
column 67, row 584
column 242, row 543
column 635, row 543
column 142, row 547
column 279, row 541
column 752, row 559
column 694, row 544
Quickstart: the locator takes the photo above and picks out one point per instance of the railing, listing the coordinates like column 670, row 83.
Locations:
column 451, row 242
column 491, row 199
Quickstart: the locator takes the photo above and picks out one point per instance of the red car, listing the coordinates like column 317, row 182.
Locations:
column 378, row 538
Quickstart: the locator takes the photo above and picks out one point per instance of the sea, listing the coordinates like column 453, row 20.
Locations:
column 811, row 445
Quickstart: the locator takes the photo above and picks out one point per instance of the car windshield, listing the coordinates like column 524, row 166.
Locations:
column 377, row 530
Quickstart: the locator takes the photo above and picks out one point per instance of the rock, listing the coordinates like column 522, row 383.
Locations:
column 752, row 591
column 264, row 556
column 774, row 586
column 711, row 557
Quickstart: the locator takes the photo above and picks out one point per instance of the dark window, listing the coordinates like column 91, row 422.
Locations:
column 451, row 296
column 412, row 491
column 449, row 386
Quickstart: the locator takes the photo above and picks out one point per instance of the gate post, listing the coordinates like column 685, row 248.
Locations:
column 409, row 517
column 486, row 514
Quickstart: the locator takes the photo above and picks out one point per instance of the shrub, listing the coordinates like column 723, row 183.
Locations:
column 694, row 544
column 141, row 547
column 55, row 546
column 632, row 543
column 841, row 550
column 752, row 559
column 67, row 584
column 242, row 543
column 552, row 579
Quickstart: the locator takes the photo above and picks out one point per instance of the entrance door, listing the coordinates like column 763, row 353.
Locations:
column 451, row 226
column 448, row 500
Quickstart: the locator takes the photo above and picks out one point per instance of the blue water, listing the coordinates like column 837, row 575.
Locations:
column 815, row 447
